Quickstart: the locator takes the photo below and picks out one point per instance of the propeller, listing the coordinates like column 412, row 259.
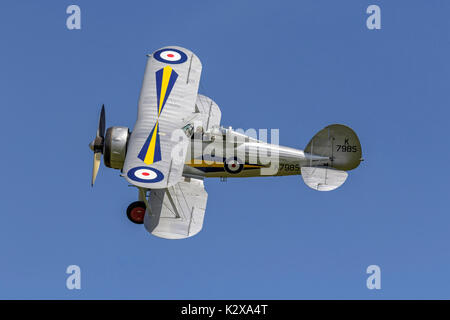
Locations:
column 97, row 144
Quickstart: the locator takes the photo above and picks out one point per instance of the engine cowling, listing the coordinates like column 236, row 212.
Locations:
column 115, row 147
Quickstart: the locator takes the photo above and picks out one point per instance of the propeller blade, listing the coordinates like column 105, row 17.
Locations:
column 101, row 124
column 97, row 145
column 97, row 158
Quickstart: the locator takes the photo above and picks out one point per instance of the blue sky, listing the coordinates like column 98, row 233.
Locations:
column 296, row 66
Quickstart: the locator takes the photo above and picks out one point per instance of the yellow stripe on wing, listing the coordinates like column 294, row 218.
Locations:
column 165, row 82
column 149, row 157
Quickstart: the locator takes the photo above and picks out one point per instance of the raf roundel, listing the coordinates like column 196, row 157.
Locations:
column 145, row 174
column 172, row 56
column 233, row 165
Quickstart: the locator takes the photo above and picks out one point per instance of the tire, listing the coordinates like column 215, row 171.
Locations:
column 136, row 212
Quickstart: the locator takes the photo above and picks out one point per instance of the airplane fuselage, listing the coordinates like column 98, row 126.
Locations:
column 234, row 155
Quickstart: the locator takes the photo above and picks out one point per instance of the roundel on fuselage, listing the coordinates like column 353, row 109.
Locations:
column 233, row 165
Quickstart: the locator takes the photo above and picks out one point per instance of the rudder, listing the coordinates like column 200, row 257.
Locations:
column 341, row 146
column 338, row 142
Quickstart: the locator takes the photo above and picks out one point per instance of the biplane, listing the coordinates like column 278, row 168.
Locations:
column 178, row 141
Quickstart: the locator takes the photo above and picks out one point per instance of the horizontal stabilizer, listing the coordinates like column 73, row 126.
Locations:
column 323, row 178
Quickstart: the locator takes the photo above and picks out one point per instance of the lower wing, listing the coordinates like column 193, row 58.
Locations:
column 177, row 212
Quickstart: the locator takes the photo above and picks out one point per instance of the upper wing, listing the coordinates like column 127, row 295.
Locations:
column 177, row 212
column 210, row 112
column 157, row 146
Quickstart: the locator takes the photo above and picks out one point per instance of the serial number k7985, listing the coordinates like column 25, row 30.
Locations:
column 289, row 167
column 346, row 148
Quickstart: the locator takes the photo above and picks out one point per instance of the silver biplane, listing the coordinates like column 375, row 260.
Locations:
column 178, row 141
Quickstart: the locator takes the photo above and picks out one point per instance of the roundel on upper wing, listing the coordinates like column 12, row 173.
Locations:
column 172, row 56
column 145, row 174
column 233, row 165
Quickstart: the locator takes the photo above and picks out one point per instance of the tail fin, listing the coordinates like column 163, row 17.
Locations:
column 341, row 145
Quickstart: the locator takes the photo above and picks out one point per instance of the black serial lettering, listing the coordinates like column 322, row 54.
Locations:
column 346, row 148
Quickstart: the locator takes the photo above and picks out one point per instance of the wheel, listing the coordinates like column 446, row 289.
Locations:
column 136, row 212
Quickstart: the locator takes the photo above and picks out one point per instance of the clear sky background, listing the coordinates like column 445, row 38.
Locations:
column 295, row 66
